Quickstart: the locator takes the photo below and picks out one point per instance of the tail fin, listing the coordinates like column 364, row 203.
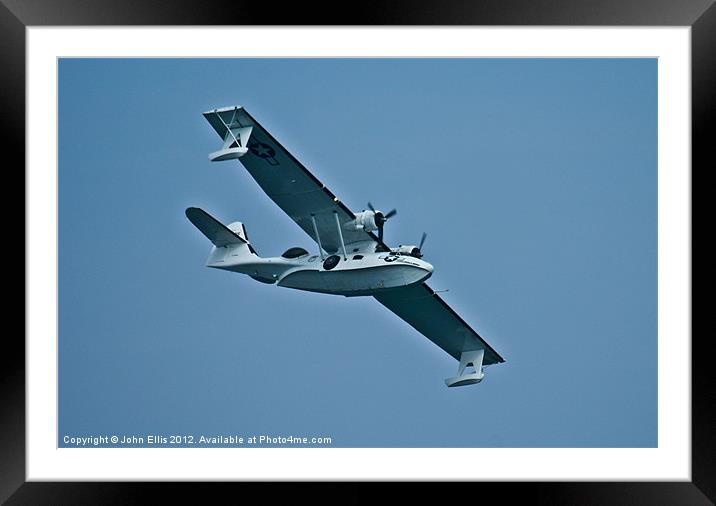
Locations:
column 218, row 233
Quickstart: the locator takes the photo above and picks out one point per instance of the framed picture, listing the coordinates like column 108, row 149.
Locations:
column 548, row 165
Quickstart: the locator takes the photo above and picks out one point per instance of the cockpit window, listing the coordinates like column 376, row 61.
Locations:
column 294, row 253
column 357, row 257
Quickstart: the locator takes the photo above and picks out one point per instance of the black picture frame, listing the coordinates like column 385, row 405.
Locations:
column 16, row 15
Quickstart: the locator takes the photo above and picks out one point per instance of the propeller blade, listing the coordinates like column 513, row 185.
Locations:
column 422, row 241
column 379, row 218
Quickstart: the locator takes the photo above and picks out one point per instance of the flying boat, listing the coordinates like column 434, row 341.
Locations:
column 351, row 257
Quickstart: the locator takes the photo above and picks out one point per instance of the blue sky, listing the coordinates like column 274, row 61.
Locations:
column 536, row 181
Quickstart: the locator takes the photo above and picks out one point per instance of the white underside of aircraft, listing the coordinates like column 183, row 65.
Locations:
column 350, row 259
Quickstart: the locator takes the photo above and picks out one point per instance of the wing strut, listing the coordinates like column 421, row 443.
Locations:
column 228, row 128
column 318, row 237
column 340, row 234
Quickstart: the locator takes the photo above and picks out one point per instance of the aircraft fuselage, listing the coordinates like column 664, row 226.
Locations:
column 356, row 274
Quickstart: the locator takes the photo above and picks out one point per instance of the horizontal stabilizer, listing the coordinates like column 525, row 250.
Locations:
column 212, row 228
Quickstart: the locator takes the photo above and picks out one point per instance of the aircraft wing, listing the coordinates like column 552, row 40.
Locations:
column 430, row 315
column 286, row 181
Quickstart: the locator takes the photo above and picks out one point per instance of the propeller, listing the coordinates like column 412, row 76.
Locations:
column 380, row 219
column 422, row 240
column 420, row 248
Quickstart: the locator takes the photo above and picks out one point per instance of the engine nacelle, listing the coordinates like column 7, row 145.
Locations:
column 410, row 250
column 365, row 220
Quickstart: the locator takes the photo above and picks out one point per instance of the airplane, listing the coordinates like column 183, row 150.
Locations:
column 351, row 260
